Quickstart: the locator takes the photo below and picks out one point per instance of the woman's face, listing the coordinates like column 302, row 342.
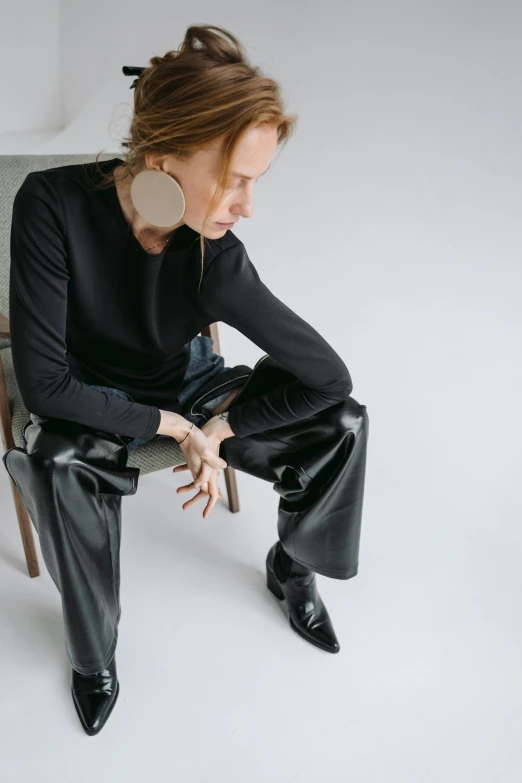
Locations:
column 198, row 179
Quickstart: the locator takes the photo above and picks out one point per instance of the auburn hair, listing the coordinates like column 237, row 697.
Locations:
column 194, row 96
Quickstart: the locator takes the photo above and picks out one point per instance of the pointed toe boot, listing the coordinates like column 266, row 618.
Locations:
column 290, row 581
column 94, row 696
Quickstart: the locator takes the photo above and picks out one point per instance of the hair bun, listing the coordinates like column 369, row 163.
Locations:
column 214, row 42
column 220, row 44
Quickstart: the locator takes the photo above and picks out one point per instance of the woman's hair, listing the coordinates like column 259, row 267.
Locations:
column 196, row 95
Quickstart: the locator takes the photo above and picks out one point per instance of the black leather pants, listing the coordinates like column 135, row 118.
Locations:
column 318, row 467
column 72, row 478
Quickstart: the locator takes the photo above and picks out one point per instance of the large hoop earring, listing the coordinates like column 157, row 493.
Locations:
column 157, row 198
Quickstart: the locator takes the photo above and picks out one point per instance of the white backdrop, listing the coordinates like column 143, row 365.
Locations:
column 391, row 222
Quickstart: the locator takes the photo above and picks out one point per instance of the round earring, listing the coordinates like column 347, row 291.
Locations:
column 157, row 198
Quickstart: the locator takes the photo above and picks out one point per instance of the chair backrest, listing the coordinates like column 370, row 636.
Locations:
column 13, row 171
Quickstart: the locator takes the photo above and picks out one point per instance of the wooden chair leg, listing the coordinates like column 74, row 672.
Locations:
column 232, row 493
column 26, row 530
column 24, row 520
column 230, row 474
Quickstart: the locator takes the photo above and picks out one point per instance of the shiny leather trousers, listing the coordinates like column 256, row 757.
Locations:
column 72, row 479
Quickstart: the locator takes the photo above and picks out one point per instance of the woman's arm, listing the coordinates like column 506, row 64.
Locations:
column 232, row 292
column 38, row 310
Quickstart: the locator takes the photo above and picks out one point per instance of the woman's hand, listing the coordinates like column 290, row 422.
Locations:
column 201, row 450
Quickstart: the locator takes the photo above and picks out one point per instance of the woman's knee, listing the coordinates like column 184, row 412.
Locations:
column 59, row 441
column 347, row 416
column 73, row 456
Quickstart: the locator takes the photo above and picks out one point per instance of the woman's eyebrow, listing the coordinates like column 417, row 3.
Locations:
column 237, row 174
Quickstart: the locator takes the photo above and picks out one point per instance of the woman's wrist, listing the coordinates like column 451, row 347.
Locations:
column 174, row 425
column 219, row 426
column 177, row 427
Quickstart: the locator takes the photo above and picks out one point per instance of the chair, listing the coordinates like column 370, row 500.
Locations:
column 149, row 457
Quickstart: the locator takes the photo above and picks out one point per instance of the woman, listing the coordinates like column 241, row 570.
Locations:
column 109, row 292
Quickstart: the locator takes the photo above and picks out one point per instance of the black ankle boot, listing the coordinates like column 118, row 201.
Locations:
column 289, row 580
column 94, row 696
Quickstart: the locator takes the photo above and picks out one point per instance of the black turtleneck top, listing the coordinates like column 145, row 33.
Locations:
column 81, row 283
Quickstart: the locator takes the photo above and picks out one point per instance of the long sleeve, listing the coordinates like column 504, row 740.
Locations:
column 39, row 277
column 232, row 292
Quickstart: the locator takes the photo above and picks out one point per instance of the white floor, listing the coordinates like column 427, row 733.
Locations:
column 215, row 686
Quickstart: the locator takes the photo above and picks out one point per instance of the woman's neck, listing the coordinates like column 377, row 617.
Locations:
column 144, row 232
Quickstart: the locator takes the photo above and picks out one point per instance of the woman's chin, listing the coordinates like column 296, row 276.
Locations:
column 213, row 230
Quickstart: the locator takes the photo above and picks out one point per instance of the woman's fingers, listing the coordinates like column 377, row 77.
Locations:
column 204, row 474
column 200, row 480
column 213, row 491
column 210, row 488
column 187, row 487
column 212, row 458
column 216, row 461
column 206, row 479
column 193, row 500
column 192, row 484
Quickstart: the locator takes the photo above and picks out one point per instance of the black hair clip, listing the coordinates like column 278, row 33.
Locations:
column 133, row 70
